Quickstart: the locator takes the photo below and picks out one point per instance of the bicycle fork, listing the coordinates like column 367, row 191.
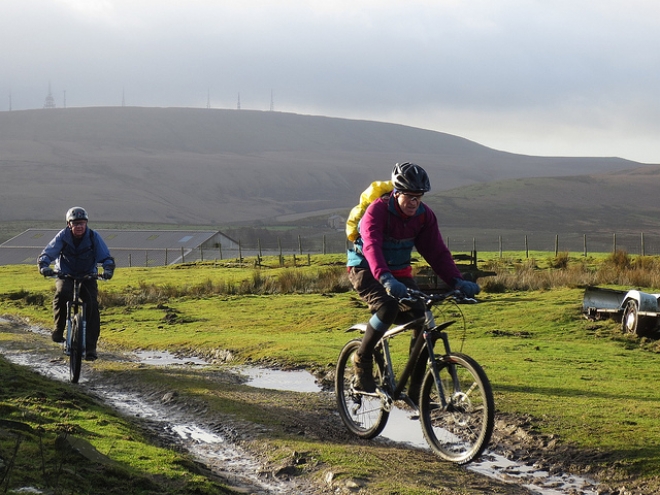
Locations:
column 433, row 336
column 72, row 310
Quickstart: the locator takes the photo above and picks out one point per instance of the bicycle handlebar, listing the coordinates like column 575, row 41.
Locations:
column 430, row 299
column 89, row 276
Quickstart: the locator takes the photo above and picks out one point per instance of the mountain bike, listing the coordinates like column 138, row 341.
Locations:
column 450, row 391
column 75, row 343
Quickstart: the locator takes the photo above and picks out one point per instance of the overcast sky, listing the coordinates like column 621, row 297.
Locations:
column 539, row 77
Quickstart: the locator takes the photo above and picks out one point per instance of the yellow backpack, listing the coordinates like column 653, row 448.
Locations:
column 368, row 196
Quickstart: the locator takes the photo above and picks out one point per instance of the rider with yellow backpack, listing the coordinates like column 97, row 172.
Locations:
column 389, row 222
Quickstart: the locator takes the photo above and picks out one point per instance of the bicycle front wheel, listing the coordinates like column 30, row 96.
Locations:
column 460, row 431
column 364, row 415
column 75, row 351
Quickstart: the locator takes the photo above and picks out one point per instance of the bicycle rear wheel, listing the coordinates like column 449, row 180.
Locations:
column 364, row 415
column 460, row 432
column 75, row 351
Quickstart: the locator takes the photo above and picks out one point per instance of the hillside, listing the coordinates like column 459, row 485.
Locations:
column 216, row 167
column 622, row 201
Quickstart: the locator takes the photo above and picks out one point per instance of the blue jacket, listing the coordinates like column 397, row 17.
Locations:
column 387, row 239
column 79, row 260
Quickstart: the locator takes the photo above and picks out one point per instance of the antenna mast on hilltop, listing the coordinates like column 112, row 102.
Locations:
column 50, row 101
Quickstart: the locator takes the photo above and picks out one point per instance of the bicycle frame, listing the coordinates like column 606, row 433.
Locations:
column 429, row 334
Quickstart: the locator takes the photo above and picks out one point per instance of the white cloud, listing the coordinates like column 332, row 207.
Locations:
column 512, row 74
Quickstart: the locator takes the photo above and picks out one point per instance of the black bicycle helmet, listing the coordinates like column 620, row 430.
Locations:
column 76, row 213
column 410, row 177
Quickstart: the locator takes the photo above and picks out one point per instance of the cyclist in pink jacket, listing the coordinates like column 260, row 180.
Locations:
column 379, row 264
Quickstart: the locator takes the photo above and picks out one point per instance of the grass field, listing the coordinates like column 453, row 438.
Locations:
column 583, row 382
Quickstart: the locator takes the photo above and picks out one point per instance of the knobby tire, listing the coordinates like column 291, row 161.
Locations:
column 461, row 432
column 363, row 415
column 75, row 351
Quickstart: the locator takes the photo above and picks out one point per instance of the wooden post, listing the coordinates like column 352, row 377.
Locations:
column 146, row 258
column 220, row 249
column 584, row 242
column 259, row 246
column 526, row 247
column 240, row 252
column 299, row 245
column 166, row 256
column 324, row 246
column 614, row 243
column 643, row 248
column 183, row 256
column 499, row 241
column 556, row 244
column 130, row 264
column 309, row 260
column 279, row 246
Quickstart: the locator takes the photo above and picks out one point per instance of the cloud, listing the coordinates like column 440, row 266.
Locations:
column 528, row 70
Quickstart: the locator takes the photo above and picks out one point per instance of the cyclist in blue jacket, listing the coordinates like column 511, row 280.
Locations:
column 77, row 250
column 379, row 264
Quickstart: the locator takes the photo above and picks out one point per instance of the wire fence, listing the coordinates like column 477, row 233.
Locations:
column 298, row 250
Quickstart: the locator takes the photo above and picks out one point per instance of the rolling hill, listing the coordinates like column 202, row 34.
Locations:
column 221, row 167
column 622, row 201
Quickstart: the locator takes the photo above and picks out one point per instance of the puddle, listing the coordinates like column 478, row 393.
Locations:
column 293, row 381
column 164, row 358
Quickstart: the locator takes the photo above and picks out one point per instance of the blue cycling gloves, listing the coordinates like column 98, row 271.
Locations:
column 470, row 289
column 399, row 290
column 393, row 286
column 47, row 271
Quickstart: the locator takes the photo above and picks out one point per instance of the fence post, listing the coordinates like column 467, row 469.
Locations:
column 130, row 264
column 499, row 241
column 146, row 258
column 220, row 249
column 259, row 246
column 183, row 255
column 614, row 242
column 526, row 247
column 556, row 244
column 309, row 260
column 240, row 252
column 474, row 252
column 585, row 245
column 201, row 253
column 166, row 256
column 299, row 245
column 279, row 246
column 324, row 246
column 643, row 248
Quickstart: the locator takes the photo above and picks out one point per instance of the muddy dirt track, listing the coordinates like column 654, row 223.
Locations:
column 519, row 461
